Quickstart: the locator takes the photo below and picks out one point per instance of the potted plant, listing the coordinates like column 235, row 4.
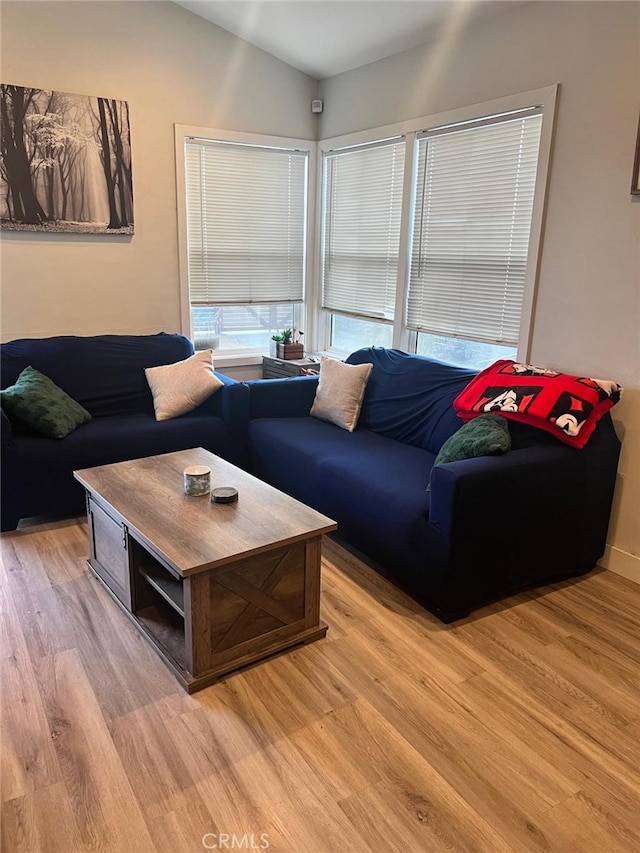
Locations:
column 288, row 344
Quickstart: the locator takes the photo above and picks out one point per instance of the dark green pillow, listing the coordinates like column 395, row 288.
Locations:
column 38, row 401
column 486, row 435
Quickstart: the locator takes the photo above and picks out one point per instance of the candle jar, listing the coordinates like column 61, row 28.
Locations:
column 197, row 480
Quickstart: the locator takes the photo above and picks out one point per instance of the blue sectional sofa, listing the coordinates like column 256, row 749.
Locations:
column 489, row 526
column 105, row 374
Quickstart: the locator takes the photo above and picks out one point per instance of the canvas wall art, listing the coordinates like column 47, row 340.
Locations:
column 65, row 162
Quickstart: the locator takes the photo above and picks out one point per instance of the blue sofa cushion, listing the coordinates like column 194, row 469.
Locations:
column 373, row 486
column 369, row 467
column 409, row 397
column 102, row 441
column 104, row 373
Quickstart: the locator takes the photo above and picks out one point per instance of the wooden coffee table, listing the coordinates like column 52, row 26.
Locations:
column 212, row 586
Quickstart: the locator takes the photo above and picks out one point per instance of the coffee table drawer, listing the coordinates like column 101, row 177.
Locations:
column 109, row 554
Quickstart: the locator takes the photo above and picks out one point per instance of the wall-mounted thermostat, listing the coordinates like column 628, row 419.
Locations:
column 316, row 106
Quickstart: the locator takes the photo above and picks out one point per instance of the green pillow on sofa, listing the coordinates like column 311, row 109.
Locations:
column 38, row 401
column 486, row 435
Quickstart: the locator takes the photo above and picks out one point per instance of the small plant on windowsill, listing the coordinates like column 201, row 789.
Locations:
column 288, row 344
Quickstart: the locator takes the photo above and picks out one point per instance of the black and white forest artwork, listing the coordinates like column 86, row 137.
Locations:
column 65, row 162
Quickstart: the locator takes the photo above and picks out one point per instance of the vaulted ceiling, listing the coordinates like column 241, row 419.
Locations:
column 327, row 37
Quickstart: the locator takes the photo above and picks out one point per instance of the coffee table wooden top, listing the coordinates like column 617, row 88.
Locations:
column 191, row 533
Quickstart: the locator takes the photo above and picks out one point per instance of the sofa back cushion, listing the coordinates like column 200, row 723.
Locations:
column 104, row 373
column 410, row 397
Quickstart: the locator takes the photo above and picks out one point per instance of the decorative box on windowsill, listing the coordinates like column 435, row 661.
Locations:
column 289, row 351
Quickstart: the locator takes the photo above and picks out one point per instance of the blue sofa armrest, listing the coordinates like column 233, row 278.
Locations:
column 281, row 398
column 230, row 403
column 482, row 488
column 546, row 504
column 227, row 380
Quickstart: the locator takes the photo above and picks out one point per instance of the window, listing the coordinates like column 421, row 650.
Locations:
column 239, row 327
column 245, row 248
column 431, row 231
column 462, row 351
column 351, row 333
column 361, row 237
column 474, row 201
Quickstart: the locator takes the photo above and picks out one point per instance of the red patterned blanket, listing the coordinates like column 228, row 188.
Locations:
column 568, row 407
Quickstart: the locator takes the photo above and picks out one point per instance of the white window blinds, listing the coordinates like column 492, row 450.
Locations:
column 474, row 200
column 246, row 223
column 361, row 229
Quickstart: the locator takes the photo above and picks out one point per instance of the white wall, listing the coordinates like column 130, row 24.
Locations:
column 173, row 68
column 587, row 318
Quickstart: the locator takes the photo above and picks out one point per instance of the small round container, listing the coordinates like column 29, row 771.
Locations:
column 224, row 495
column 197, row 480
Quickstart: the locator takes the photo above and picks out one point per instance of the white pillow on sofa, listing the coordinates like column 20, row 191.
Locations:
column 178, row 388
column 340, row 392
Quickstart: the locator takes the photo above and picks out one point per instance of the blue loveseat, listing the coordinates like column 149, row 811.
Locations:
column 105, row 374
column 488, row 527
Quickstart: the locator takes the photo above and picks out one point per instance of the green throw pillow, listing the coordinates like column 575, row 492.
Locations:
column 38, row 401
column 486, row 435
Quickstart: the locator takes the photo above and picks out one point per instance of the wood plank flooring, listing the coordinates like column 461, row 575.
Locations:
column 517, row 729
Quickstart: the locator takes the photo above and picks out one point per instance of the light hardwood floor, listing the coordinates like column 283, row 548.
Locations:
column 515, row 730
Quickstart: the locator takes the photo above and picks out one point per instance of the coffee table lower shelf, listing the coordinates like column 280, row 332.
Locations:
column 169, row 642
column 164, row 632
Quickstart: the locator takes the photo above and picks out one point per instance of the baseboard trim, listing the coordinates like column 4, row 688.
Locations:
column 622, row 563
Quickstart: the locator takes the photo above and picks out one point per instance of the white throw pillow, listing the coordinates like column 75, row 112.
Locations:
column 178, row 388
column 340, row 392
